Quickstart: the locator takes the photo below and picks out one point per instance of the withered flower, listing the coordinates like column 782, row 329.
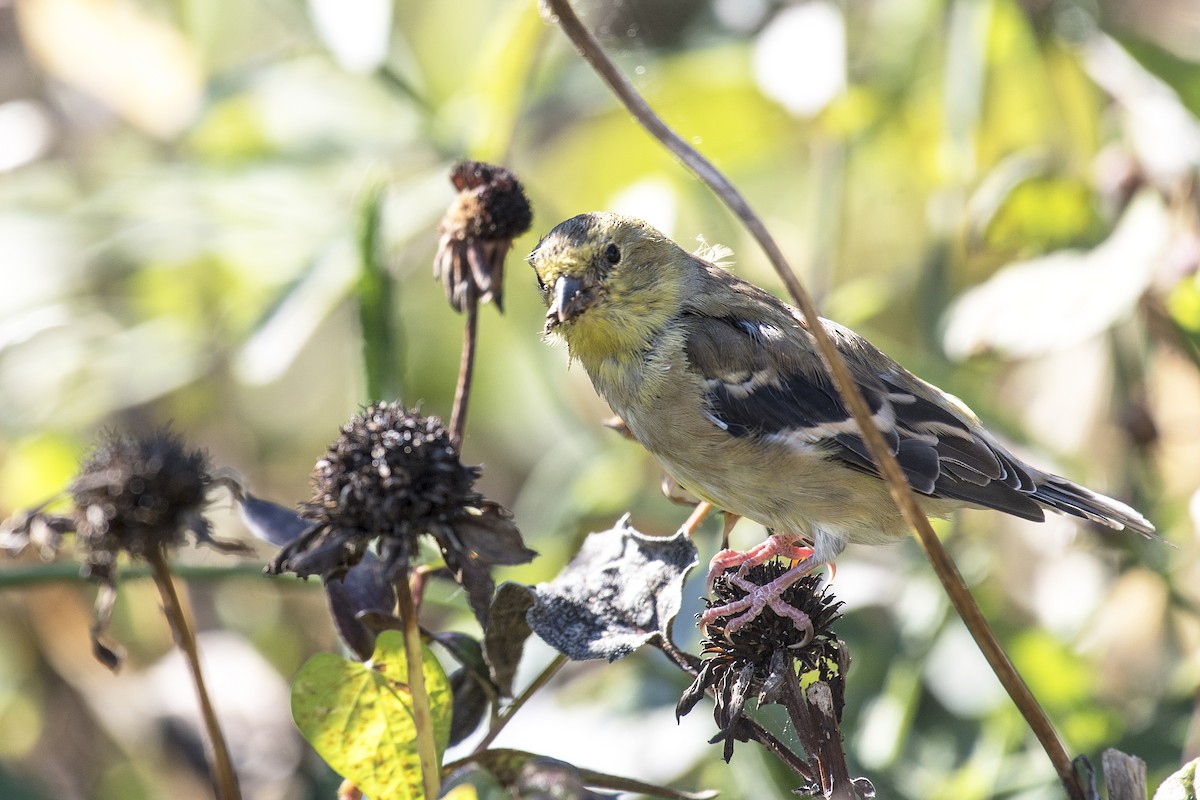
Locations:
column 478, row 231
column 140, row 496
column 750, row 661
column 390, row 478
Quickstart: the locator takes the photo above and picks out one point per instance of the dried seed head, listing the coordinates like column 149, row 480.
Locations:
column 491, row 210
column 756, row 641
column 747, row 662
column 141, row 496
column 135, row 494
column 390, row 474
column 389, row 478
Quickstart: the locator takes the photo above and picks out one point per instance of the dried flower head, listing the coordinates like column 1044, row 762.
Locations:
column 478, row 231
column 750, row 661
column 137, row 495
column 389, row 478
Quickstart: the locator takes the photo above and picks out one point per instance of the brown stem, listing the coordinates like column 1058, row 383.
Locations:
column 223, row 775
column 431, row 777
column 541, row 680
column 815, row 723
column 768, row 740
column 964, row 604
column 466, row 371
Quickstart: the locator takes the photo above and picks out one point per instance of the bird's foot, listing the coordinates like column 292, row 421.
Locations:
column 775, row 545
column 757, row 598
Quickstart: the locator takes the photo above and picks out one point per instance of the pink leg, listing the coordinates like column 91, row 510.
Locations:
column 775, row 545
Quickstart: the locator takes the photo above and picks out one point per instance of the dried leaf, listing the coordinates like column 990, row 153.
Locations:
column 504, row 639
column 471, row 703
column 621, row 590
column 272, row 522
column 361, row 590
column 492, row 537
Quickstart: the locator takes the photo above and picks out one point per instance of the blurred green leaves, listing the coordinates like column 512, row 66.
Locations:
column 230, row 275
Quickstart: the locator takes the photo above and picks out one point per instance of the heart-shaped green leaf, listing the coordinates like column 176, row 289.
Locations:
column 358, row 716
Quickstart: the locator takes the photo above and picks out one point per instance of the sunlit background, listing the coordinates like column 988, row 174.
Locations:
column 1001, row 194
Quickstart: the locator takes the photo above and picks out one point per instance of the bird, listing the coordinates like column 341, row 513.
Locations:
column 723, row 384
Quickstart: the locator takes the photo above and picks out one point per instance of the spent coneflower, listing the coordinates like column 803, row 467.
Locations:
column 749, row 662
column 142, row 496
column 391, row 477
column 477, row 232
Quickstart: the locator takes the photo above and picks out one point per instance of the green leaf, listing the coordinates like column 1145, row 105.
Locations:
column 358, row 716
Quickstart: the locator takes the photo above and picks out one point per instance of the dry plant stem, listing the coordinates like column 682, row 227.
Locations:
column 815, row 722
column 1124, row 775
column 506, row 716
column 768, row 740
column 223, row 775
column 422, row 712
column 964, row 604
column 466, row 371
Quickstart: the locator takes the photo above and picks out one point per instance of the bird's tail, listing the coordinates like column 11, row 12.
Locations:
column 1070, row 498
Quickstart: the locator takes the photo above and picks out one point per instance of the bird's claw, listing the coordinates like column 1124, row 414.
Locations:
column 758, row 598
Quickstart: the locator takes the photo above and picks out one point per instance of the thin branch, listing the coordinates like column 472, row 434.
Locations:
column 509, row 712
column 817, row 726
column 901, row 493
column 68, row 572
column 431, row 777
column 223, row 775
column 768, row 740
column 466, row 371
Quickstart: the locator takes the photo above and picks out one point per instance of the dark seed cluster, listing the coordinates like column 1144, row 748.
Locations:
column 391, row 475
column 138, row 495
column 492, row 201
column 135, row 494
column 389, row 478
column 749, row 662
column 491, row 210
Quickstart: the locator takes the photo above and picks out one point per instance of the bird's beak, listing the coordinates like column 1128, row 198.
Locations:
column 571, row 299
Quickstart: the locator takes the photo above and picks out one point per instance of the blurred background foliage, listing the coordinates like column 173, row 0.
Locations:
column 1001, row 194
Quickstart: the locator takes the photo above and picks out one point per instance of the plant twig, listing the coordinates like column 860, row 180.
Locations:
column 815, row 722
column 466, row 370
column 223, row 775
column 901, row 493
column 431, row 777
column 506, row 716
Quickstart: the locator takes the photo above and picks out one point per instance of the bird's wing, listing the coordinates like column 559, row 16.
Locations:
column 763, row 379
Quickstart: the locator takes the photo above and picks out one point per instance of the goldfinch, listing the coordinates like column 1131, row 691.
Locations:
column 723, row 384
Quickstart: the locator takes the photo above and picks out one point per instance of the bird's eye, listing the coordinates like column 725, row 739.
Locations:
column 612, row 254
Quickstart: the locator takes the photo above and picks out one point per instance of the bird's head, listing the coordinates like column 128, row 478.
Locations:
column 609, row 282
